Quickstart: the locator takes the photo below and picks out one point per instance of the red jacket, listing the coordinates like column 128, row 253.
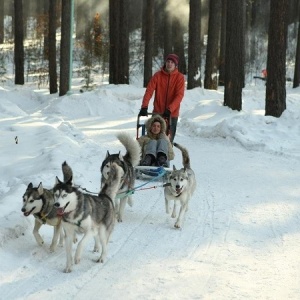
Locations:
column 169, row 91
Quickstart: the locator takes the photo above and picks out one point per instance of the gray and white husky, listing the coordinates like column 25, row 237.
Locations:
column 127, row 163
column 87, row 214
column 39, row 202
column 180, row 187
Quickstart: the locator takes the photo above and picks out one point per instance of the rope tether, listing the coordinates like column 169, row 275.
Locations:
column 161, row 173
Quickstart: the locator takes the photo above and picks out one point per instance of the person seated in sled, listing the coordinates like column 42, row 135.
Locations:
column 156, row 147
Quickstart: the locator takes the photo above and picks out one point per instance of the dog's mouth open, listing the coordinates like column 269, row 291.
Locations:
column 27, row 213
column 61, row 210
column 178, row 190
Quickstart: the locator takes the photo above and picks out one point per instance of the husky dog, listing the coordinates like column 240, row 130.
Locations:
column 127, row 163
column 39, row 202
column 87, row 214
column 181, row 185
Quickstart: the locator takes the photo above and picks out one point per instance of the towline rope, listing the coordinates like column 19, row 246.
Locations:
column 161, row 173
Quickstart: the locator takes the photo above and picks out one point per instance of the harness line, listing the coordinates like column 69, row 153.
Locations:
column 161, row 173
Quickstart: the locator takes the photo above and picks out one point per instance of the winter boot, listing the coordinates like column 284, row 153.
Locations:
column 162, row 160
column 148, row 159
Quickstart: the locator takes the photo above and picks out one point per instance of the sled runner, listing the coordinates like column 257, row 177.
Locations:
column 151, row 172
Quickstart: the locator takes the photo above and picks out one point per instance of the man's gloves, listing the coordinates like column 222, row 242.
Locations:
column 143, row 111
column 167, row 114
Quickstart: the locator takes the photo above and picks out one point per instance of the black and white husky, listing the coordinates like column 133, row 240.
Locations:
column 127, row 163
column 87, row 214
column 39, row 202
column 181, row 185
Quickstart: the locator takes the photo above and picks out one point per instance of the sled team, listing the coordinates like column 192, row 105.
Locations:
column 74, row 213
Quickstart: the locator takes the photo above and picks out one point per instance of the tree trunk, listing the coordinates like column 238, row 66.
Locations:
column 144, row 17
column 124, row 43
column 194, row 51
column 275, row 86
column 19, row 42
column 297, row 62
column 254, row 30
column 114, row 19
column 65, row 47
column 52, row 47
column 46, row 28
column 148, row 41
column 234, row 62
column 1, row 21
column 212, row 50
column 222, row 44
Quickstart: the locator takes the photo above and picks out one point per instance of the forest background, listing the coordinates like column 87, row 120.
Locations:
column 218, row 42
column 241, row 235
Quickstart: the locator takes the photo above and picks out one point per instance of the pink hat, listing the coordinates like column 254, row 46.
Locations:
column 174, row 58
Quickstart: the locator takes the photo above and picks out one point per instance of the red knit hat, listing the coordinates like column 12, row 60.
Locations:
column 173, row 57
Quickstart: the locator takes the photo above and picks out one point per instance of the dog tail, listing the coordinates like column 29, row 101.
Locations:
column 112, row 184
column 67, row 171
column 133, row 149
column 185, row 156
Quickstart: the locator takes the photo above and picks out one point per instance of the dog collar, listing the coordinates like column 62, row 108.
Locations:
column 65, row 218
column 41, row 217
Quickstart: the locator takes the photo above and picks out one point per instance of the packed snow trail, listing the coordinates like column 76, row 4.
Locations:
column 236, row 240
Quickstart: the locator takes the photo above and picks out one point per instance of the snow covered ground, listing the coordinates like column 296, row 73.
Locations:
column 241, row 235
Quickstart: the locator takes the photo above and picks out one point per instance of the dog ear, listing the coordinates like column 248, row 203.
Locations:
column 40, row 189
column 30, row 186
column 121, row 156
column 57, row 181
column 69, row 181
column 174, row 168
column 107, row 154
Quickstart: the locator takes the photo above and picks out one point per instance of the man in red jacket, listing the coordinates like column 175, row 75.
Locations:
column 168, row 85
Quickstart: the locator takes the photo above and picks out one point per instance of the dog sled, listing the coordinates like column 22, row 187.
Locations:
column 150, row 172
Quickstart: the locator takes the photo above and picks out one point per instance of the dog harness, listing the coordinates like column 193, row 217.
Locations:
column 42, row 216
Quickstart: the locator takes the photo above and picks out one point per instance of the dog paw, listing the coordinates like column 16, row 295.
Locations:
column 52, row 248
column 177, row 225
column 100, row 260
column 40, row 242
column 96, row 249
column 77, row 260
column 173, row 215
column 67, row 270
